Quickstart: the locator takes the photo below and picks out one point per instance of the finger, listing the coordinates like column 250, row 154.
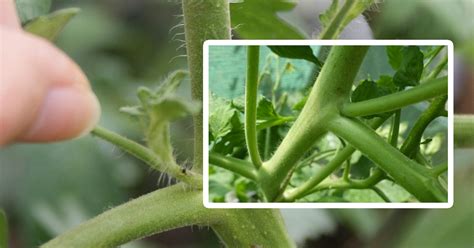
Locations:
column 44, row 96
column 8, row 16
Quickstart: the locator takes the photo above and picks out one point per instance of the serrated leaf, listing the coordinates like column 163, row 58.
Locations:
column 257, row 19
column 395, row 56
column 296, row 52
column 29, row 9
column 49, row 26
column 157, row 109
column 3, row 230
column 411, row 67
column 173, row 108
column 220, row 114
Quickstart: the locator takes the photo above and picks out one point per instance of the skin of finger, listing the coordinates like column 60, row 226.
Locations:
column 8, row 16
column 29, row 67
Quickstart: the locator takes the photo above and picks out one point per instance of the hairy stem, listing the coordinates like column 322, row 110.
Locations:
column 204, row 20
column 251, row 92
column 329, row 92
column 162, row 210
column 422, row 92
column 199, row 27
column 238, row 166
column 253, row 228
column 149, row 157
column 410, row 175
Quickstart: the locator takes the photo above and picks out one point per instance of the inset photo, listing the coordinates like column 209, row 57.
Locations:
column 328, row 124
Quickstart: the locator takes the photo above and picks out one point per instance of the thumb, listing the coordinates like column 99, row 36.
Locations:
column 44, row 96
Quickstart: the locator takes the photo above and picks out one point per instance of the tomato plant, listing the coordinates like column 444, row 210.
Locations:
column 181, row 204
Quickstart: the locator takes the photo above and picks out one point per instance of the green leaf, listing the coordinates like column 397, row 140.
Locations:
column 3, row 230
column 411, row 67
column 267, row 116
column 364, row 91
column 29, row 9
column 49, row 26
column 296, row 52
column 220, row 115
column 157, row 109
column 225, row 125
column 257, row 19
column 395, row 56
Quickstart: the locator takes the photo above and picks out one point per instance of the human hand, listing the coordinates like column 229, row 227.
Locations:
column 44, row 95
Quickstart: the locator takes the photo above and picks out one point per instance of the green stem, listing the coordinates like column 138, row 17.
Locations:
column 464, row 130
column 395, row 129
column 403, row 170
column 205, row 20
column 347, row 170
column 435, row 54
column 330, row 91
column 199, row 27
column 381, row 193
column 316, row 156
column 439, row 169
column 412, row 142
column 328, row 169
column 367, row 183
column 437, row 70
column 149, row 157
column 251, row 92
column 421, row 159
column 350, row 10
column 253, row 228
column 159, row 211
column 238, row 166
column 422, row 92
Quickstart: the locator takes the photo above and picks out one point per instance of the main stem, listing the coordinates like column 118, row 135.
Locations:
column 203, row 20
column 155, row 212
column 331, row 90
column 210, row 19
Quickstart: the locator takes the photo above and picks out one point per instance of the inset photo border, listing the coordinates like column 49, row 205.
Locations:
column 328, row 124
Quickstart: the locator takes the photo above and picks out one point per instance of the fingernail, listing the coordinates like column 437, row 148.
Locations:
column 67, row 112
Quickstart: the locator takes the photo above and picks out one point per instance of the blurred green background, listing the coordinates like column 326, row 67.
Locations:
column 46, row 189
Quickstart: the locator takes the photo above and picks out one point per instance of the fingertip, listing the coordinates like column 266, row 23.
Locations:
column 67, row 112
